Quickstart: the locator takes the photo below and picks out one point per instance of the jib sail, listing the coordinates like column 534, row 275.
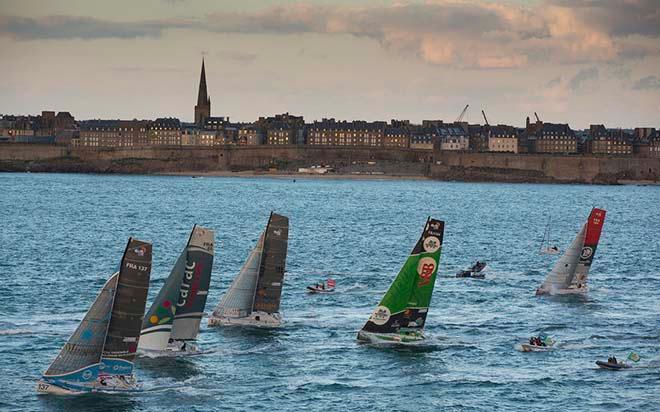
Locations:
column 237, row 301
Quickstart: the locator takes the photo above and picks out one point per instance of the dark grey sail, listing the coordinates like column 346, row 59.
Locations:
column 271, row 272
column 194, row 285
column 130, row 300
column 85, row 346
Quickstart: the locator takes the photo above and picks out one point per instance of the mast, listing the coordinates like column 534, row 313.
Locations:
column 406, row 303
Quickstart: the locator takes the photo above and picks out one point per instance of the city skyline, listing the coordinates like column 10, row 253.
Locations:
column 590, row 63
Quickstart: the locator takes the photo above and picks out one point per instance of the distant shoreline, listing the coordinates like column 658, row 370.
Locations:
column 360, row 163
column 295, row 175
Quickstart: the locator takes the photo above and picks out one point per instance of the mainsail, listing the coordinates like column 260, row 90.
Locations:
column 84, row 347
column 572, row 268
column 406, row 303
column 177, row 310
column 271, row 272
column 194, row 285
column 123, row 333
column 237, row 302
column 107, row 337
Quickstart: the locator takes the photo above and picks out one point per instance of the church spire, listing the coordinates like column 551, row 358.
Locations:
column 203, row 107
column 202, row 95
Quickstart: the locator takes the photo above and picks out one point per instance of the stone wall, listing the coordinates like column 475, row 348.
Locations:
column 439, row 165
column 543, row 168
column 30, row 151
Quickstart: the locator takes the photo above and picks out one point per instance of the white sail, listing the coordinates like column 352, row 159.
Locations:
column 237, row 302
column 563, row 272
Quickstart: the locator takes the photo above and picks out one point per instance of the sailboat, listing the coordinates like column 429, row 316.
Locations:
column 172, row 323
column 98, row 357
column 401, row 314
column 546, row 248
column 569, row 275
column 253, row 299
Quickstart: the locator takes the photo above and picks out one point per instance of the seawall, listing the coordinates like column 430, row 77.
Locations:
column 437, row 165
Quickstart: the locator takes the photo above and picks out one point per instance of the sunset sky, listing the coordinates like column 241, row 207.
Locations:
column 581, row 62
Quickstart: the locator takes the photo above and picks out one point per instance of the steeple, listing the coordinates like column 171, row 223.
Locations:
column 203, row 107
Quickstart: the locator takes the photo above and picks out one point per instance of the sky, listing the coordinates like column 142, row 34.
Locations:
column 571, row 61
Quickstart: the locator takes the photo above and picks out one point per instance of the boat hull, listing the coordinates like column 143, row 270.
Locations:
column 316, row 290
column 390, row 338
column 46, row 388
column 560, row 292
column 108, row 384
column 612, row 366
column 254, row 319
column 466, row 274
column 534, row 348
column 173, row 349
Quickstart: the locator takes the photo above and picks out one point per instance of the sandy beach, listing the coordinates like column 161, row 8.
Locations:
column 295, row 175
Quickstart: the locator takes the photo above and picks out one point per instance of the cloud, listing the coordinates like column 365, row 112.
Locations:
column 465, row 34
column 136, row 69
column 239, row 56
column 554, row 82
column 583, row 76
column 647, row 83
column 86, row 28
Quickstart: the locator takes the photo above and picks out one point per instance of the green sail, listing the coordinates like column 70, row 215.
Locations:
column 406, row 303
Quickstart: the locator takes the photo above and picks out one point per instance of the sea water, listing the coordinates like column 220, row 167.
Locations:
column 62, row 236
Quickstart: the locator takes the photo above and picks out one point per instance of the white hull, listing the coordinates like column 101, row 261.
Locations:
column 155, row 340
column 549, row 251
column 176, row 348
column 534, row 348
column 390, row 338
column 559, row 292
column 45, row 388
column 254, row 319
column 112, row 384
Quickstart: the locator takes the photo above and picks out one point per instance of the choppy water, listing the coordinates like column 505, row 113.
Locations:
column 61, row 236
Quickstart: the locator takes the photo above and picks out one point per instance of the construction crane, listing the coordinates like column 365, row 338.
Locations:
column 537, row 117
column 460, row 117
column 485, row 119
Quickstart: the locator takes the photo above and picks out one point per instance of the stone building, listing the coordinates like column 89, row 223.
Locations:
column 602, row 141
column 396, row 137
column 165, row 131
column 249, row 135
column 502, row 138
column 643, row 141
column 113, row 133
column 329, row 132
column 453, row 137
column 551, row 138
column 282, row 129
column 423, row 138
column 192, row 136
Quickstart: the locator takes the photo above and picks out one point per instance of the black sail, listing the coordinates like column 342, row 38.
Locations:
column 271, row 272
column 130, row 299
